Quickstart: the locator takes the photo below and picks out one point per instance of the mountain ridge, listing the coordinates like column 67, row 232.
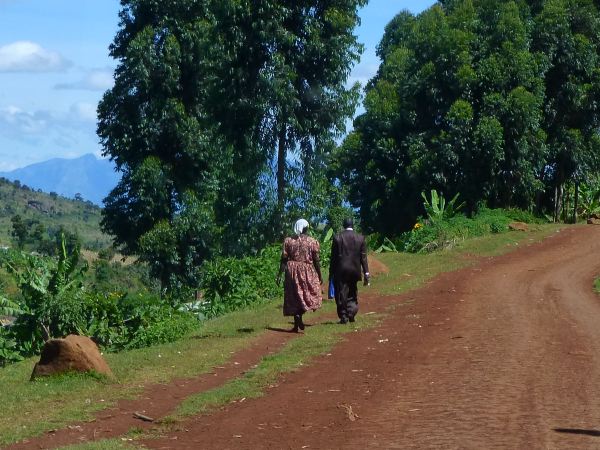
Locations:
column 88, row 176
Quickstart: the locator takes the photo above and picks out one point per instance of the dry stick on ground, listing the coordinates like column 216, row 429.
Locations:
column 137, row 415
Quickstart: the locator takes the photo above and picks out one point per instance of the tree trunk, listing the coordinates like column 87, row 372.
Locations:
column 576, row 202
column 556, row 205
column 281, row 155
column 566, row 201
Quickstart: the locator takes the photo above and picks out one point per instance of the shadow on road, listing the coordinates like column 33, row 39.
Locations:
column 281, row 330
column 578, row 431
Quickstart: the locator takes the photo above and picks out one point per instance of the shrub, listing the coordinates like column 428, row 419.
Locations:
column 166, row 327
column 229, row 284
column 446, row 233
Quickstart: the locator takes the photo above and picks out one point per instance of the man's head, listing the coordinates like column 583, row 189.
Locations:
column 348, row 222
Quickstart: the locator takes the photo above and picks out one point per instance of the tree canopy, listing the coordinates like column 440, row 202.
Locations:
column 214, row 100
column 492, row 99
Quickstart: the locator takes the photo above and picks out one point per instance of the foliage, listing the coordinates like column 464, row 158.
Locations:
column 386, row 246
column 8, row 307
column 115, row 276
column 589, row 201
column 579, row 199
column 149, row 321
column 50, row 296
column 494, row 99
column 204, row 93
column 311, row 49
column 8, row 348
column 55, row 300
column 42, row 217
column 155, row 124
column 229, row 284
column 447, row 233
column 437, row 209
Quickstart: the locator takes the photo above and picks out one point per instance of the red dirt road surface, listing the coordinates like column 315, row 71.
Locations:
column 505, row 354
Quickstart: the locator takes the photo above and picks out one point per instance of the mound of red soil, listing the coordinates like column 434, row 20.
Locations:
column 376, row 267
column 72, row 354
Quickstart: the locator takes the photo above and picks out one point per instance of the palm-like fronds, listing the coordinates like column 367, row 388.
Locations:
column 9, row 308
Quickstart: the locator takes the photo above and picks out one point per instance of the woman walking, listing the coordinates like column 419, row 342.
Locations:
column 302, row 285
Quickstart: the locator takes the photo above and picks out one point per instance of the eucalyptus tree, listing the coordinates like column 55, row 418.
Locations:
column 311, row 50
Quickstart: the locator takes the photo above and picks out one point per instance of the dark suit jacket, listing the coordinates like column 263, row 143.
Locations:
column 348, row 255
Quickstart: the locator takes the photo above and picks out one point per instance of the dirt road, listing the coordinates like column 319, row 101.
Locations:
column 505, row 354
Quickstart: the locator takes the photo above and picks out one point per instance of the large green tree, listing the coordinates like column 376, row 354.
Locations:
column 475, row 97
column 154, row 125
column 209, row 96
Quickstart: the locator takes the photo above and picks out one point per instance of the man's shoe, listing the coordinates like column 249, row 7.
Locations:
column 301, row 323
column 351, row 319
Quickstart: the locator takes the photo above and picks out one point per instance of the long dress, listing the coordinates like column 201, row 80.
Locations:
column 302, row 289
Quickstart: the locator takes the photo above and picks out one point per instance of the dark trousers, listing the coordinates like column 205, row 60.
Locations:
column 346, row 298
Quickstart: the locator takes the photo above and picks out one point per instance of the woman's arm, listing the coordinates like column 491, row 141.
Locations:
column 282, row 265
column 316, row 262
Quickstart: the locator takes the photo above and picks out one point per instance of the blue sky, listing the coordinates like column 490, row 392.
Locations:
column 54, row 67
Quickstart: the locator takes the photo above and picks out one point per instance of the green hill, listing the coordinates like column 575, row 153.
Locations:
column 51, row 211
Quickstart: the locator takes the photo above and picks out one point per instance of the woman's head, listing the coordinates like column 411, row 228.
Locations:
column 300, row 227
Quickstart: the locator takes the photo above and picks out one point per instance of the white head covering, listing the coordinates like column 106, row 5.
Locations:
column 299, row 226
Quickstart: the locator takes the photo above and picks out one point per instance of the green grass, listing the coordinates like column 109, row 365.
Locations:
column 597, row 285
column 31, row 408
column 104, row 444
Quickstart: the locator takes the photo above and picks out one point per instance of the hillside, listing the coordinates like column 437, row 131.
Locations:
column 51, row 210
column 87, row 176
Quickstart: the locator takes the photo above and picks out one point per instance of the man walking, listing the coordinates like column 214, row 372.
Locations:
column 348, row 256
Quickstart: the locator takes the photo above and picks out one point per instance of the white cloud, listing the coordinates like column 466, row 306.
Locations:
column 35, row 128
column 14, row 121
column 26, row 56
column 85, row 112
column 94, row 80
column 37, row 135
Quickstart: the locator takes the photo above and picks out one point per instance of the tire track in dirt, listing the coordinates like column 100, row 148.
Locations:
column 501, row 355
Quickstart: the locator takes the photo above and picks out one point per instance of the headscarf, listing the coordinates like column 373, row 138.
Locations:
column 299, row 226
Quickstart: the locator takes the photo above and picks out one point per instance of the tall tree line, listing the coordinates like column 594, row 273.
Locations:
column 496, row 100
column 221, row 121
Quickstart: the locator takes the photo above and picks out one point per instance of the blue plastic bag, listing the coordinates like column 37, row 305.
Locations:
column 331, row 293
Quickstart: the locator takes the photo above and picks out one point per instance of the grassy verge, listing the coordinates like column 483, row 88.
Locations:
column 597, row 285
column 30, row 408
column 105, row 444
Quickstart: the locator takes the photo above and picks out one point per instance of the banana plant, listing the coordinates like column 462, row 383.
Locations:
column 437, row 209
column 589, row 200
column 9, row 308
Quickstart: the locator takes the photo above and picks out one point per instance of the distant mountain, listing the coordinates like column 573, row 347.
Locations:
column 88, row 176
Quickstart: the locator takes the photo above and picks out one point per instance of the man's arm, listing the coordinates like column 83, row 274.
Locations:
column 363, row 260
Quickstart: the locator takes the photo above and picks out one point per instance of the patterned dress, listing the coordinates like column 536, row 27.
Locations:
column 302, row 290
